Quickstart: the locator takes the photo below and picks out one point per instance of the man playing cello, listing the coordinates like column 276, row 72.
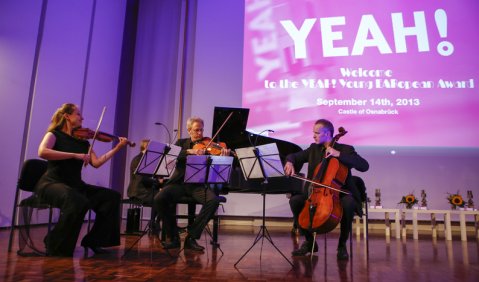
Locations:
column 323, row 131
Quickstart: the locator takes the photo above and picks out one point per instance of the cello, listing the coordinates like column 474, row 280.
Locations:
column 322, row 210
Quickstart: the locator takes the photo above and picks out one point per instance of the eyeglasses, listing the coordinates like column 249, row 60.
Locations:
column 198, row 130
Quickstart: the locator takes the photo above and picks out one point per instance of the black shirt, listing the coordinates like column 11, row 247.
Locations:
column 66, row 171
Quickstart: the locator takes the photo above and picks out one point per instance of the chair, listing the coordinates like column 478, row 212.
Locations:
column 31, row 172
column 191, row 202
column 135, row 211
column 134, row 221
column 134, row 216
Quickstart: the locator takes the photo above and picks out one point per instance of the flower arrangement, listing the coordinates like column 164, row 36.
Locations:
column 409, row 200
column 456, row 200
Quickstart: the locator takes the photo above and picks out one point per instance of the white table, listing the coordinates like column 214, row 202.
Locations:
column 387, row 222
column 446, row 214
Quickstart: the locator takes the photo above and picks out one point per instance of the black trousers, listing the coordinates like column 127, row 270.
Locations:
column 348, row 204
column 74, row 204
column 166, row 200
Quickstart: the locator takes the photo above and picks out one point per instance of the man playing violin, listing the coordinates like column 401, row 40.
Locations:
column 166, row 200
column 323, row 131
column 62, row 187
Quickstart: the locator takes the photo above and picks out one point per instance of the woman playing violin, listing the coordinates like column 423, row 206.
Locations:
column 166, row 200
column 323, row 131
column 62, row 187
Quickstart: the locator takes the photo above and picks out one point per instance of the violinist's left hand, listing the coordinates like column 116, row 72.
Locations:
column 122, row 142
column 331, row 152
column 225, row 152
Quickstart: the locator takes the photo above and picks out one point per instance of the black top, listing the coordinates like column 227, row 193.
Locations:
column 314, row 154
column 65, row 171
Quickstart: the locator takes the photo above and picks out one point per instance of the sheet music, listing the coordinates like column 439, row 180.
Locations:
column 269, row 158
column 169, row 162
column 150, row 161
column 249, row 163
column 269, row 155
column 219, row 170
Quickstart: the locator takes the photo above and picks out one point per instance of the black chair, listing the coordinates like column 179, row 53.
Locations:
column 31, row 172
column 191, row 202
column 134, row 219
column 134, row 216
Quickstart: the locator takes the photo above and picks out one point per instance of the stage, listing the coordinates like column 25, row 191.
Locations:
column 425, row 259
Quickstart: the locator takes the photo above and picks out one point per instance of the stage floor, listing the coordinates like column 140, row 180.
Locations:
column 394, row 260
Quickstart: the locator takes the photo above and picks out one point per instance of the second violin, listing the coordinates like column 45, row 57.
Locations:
column 211, row 148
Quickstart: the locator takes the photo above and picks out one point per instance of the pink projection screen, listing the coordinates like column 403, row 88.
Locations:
column 392, row 73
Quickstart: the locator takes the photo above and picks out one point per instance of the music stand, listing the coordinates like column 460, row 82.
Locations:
column 261, row 162
column 159, row 160
column 206, row 170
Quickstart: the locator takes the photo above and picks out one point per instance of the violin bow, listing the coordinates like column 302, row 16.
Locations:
column 319, row 184
column 219, row 129
column 96, row 132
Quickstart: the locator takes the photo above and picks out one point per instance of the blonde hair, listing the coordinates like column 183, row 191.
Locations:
column 191, row 120
column 143, row 144
column 58, row 118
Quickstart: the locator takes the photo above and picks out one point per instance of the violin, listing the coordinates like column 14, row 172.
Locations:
column 86, row 133
column 209, row 146
column 322, row 211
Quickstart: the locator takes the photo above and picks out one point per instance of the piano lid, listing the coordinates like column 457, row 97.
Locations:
column 235, row 136
column 235, row 127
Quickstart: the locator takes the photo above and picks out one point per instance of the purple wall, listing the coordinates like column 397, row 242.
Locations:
column 64, row 75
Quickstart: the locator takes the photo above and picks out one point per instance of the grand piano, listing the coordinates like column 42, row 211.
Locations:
column 235, row 135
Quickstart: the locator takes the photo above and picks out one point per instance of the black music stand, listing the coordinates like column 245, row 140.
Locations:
column 206, row 170
column 261, row 162
column 159, row 160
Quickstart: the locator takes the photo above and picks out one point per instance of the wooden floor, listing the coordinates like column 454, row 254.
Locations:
column 396, row 260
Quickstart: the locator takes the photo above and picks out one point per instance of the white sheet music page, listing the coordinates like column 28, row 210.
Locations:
column 249, row 163
column 269, row 157
column 167, row 167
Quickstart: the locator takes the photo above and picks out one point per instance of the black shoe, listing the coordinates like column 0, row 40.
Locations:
column 305, row 249
column 342, row 253
column 173, row 244
column 191, row 244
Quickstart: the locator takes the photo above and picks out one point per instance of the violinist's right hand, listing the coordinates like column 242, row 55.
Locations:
column 196, row 151
column 289, row 169
column 83, row 157
column 225, row 152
